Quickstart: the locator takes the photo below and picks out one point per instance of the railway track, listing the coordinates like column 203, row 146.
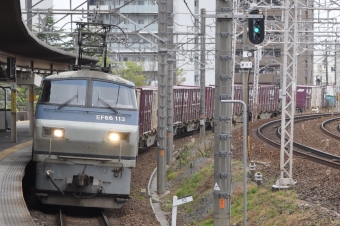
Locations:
column 299, row 149
column 328, row 132
column 103, row 220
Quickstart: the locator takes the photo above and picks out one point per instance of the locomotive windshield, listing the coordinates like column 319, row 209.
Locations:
column 114, row 95
column 64, row 92
column 73, row 92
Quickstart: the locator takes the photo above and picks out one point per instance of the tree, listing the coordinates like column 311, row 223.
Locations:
column 133, row 72
column 49, row 34
column 180, row 76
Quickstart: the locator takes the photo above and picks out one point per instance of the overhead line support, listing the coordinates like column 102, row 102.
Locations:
column 222, row 137
column 162, row 96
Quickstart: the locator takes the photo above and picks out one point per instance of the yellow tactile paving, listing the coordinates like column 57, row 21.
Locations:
column 10, row 150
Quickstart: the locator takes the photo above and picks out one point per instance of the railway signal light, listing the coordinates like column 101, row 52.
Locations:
column 256, row 28
column 11, row 71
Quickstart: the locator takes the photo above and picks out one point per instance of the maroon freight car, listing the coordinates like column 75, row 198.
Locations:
column 147, row 103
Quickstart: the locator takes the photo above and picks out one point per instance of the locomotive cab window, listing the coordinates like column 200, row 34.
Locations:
column 105, row 94
column 64, row 92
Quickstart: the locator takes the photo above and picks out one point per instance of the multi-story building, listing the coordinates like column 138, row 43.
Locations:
column 138, row 20
column 324, row 71
column 135, row 18
column 140, row 17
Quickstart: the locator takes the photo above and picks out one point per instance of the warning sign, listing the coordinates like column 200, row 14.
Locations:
column 216, row 187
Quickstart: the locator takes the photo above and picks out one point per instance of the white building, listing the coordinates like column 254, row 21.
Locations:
column 185, row 24
column 323, row 70
column 142, row 16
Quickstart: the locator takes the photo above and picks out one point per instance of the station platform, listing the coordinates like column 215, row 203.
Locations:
column 13, row 159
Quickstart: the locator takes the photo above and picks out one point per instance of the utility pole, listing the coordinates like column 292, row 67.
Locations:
column 223, row 115
column 326, row 64
column 196, row 41
column 11, row 74
column 202, row 79
column 337, row 77
column 170, row 107
column 256, row 83
column 30, row 104
column 245, row 82
column 162, row 96
column 29, row 14
column 30, row 108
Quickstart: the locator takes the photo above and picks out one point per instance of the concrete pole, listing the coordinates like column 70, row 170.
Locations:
column 170, row 107
column 245, row 116
column 223, row 115
column 196, row 47
column 337, row 78
column 29, row 14
column 30, row 108
column 245, row 83
column 13, row 113
column 202, row 79
column 162, row 96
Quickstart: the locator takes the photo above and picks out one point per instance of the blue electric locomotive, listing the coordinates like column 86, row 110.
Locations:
column 85, row 139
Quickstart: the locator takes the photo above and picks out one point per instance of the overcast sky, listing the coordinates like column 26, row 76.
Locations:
column 65, row 4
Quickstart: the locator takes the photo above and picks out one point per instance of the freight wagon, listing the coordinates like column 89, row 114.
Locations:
column 186, row 106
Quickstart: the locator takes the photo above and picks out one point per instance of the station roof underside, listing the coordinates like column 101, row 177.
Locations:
column 15, row 38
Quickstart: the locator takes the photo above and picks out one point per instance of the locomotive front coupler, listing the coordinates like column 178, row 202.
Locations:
column 82, row 180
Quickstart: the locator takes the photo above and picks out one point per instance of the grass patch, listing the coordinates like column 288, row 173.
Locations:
column 264, row 207
column 194, row 184
column 170, row 175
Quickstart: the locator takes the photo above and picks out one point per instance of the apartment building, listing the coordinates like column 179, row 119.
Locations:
column 140, row 16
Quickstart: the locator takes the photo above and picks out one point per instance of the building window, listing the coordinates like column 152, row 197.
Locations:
column 272, row 52
column 140, row 2
column 277, row 52
column 140, row 21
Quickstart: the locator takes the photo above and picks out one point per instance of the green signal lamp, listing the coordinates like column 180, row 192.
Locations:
column 256, row 30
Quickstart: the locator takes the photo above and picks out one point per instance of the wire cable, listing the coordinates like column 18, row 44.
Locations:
column 191, row 13
column 48, row 172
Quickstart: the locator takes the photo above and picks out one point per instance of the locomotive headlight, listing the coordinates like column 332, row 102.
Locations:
column 53, row 132
column 114, row 136
column 118, row 137
column 58, row 132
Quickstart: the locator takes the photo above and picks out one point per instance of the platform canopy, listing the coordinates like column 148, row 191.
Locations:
column 18, row 41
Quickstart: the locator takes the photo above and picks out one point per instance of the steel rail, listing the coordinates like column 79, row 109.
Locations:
column 305, row 151
column 105, row 219
column 61, row 218
column 329, row 133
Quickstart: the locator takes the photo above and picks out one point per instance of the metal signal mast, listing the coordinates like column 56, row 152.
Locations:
column 288, row 95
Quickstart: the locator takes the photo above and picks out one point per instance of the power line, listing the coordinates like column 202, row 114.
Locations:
column 192, row 14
